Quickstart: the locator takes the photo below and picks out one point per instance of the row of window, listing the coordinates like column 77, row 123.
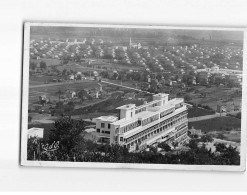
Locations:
column 181, row 126
column 146, row 121
column 173, row 118
column 141, row 110
column 182, row 138
column 148, row 131
column 150, row 119
column 130, row 126
column 145, row 108
column 178, row 105
column 181, row 132
column 166, row 112
column 106, row 132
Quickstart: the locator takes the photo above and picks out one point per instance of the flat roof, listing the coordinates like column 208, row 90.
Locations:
column 108, row 118
column 148, row 113
column 127, row 106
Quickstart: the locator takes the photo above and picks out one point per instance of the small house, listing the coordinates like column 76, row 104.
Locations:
column 221, row 108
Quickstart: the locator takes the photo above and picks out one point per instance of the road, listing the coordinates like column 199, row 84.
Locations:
column 125, row 87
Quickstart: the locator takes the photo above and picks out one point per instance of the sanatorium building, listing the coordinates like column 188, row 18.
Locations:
column 161, row 120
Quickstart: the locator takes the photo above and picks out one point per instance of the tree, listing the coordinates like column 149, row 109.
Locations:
column 230, row 156
column 238, row 115
column 69, row 107
column 227, row 155
column 64, row 72
column 220, row 147
column 67, row 131
column 59, row 93
column 82, row 94
column 187, row 98
column 33, row 65
column 206, row 138
column 33, row 148
column 104, row 74
column 164, row 146
column 193, row 144
column 43, row 65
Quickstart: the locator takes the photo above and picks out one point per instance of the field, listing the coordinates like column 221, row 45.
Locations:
column 232, row 137
column 214, row 96
column 217, row 124
column 107, row 107
column 51, row 89
column 41, row 79
column 195, row 112
column 48, row 61
column 98, row 66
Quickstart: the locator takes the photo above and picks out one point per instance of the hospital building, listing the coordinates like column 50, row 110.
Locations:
column 135, row 127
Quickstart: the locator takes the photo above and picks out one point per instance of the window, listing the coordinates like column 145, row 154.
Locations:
column 98, row 130
column 131, row 114
column 102, row 125
column 109, row 126
column 121, row 139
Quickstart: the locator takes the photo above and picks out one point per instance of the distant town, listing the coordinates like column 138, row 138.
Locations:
column 136, row 96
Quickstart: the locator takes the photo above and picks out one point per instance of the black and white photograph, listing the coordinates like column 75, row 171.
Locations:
column 129, row 96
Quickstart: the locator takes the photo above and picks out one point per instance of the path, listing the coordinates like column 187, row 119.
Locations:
column 125, row 87
column 91, row 104
column 206, row 117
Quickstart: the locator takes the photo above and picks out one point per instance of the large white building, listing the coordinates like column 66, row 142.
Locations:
column 161, row 120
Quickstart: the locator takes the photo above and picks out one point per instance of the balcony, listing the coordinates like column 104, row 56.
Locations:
column 155, row 137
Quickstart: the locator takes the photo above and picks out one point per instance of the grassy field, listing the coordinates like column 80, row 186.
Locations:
column 107, row 107
column 50, row 91
column 217, row 124
column 234, row 137
column 195, row 112
column 48, row 61
column 39, row 80
column 98, row 67
column 214, row 96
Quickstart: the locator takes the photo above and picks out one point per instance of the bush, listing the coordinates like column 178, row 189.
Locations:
column 238, row 115
column 207, row 107
column 187, row 98
column 206, row 138
column 164, row 146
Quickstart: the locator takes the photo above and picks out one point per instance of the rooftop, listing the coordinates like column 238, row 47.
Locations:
column 151, row 111
column 108, row 118
column 127, row 106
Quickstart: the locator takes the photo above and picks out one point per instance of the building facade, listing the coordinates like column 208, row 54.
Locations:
column 161, row 120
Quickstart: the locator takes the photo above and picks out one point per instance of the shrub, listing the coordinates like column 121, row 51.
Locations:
column 206, row 138
column 164, row 146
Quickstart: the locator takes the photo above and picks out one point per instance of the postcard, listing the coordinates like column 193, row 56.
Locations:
column 131, row 96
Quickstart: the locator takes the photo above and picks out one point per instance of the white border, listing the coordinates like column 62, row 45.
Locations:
column 25, row 90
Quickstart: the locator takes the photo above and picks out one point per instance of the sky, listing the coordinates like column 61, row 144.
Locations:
column 198, row 34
